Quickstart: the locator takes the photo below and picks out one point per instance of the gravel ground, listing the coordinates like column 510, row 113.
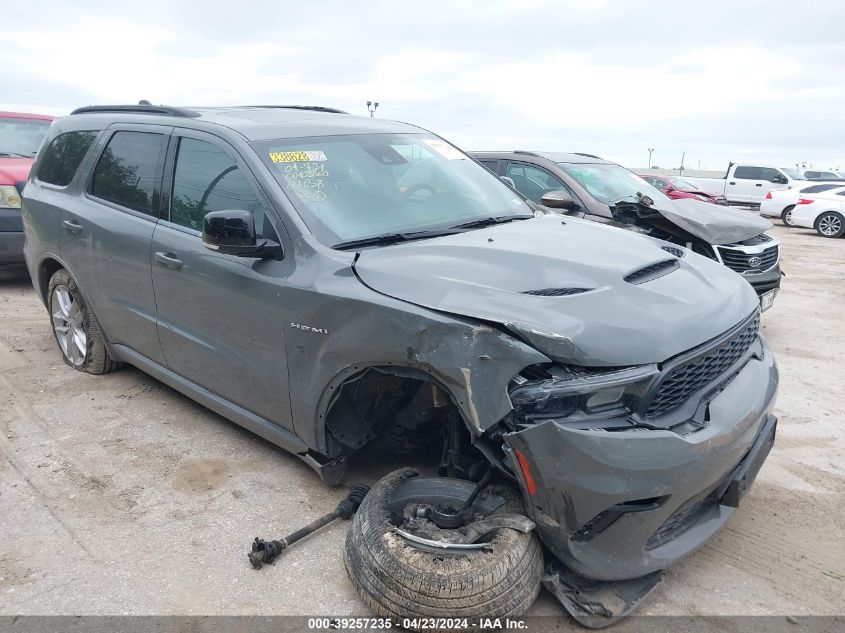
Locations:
column 120, row 496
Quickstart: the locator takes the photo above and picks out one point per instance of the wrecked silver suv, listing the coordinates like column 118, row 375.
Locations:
column 333, row 282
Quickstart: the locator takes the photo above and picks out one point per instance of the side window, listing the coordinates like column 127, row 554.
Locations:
column 533, row 182
column 819, row 188
column 207, row 179
column 126, row 171
column 492, row 165
column 656, row 182
column 767, row 173
column 747, row 173
column 61, row 158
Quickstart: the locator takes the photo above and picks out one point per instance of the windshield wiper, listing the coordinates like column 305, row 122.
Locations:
column 500, row 219
column 14, row 154
column 391, row 238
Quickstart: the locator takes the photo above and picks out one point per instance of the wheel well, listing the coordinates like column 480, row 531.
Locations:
column 401, row 411
column 46, row 270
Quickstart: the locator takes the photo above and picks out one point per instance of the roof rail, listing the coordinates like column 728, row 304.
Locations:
column 144, row 107
column 301, row 107
column 526, row 153
column 588, row 155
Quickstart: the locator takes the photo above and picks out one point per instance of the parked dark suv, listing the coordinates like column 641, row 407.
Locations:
column 330, row 281
column 605, row 192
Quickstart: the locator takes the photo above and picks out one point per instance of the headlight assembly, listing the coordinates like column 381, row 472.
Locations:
column 575, row 395
column 9, row 197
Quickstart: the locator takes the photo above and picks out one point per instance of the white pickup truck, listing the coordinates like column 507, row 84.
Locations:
column 745, row 183
column 749, row 184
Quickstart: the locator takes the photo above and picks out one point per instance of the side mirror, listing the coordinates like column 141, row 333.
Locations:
column 558, row 200
column 508, row 181
column 232, row 232
column 19, row 185
column 779, row 180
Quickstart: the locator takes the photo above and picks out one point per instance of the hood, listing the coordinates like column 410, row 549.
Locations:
column 13, row 170
column 712, row 223
column 484, row 274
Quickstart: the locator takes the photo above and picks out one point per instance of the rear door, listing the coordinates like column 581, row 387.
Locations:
column 221, row 318
column 741, row 183
column 107, row 231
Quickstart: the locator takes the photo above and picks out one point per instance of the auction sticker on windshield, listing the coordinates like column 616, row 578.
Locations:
column 444, row 149
column 297, row 157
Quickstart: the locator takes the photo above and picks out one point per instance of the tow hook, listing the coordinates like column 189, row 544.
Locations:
column 265, row 552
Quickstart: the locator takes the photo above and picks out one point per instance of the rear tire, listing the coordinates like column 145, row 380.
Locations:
column 786, row 216
column 830, row 224
column 77, row 335
column 399, row 581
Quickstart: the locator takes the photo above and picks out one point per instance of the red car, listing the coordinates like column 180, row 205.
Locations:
column 676, row 187
column 20, row 137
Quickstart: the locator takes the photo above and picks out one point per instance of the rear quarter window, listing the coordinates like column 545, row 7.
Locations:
column 819, row 188
column 60, row 160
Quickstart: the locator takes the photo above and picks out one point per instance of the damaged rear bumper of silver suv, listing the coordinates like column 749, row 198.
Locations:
column 616, row 504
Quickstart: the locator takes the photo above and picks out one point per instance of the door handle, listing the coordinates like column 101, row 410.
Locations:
column 758, row 185
column 72, row 227
column 169, row 260
column 731, row 183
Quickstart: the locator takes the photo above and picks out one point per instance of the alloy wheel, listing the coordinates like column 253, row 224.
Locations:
column 830, row 225
column 68, row 326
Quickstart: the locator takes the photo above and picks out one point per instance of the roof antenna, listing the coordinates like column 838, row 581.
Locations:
column 144, row 102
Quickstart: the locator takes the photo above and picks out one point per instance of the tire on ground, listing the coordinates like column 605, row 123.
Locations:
column 97, row 360
column 831, row 218
column 399, row 581
column 787, row 213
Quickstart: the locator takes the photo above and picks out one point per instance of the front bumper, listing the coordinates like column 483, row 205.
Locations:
column 765, row 281
column 11, row 248
column 665, row 491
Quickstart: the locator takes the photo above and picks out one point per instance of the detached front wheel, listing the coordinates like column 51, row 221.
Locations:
column 74, row 327
column 411, row 582
column 830, row 224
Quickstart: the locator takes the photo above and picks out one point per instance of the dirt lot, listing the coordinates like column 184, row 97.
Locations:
column 118, row 495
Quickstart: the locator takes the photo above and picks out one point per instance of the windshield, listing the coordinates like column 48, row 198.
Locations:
column 792, row 173
column 21, row 137
column 353, row 187
column 611, row 183
column 680, row 183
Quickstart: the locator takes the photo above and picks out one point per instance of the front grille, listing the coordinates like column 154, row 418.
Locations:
column 652, row 271
column 555, row 292
column 740, row 261
column 683, row 381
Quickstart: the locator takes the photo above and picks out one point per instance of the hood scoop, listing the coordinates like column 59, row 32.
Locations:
column 556, row 292
column 674, row 250
column 653, row 271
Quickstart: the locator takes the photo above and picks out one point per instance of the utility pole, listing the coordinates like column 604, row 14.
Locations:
column 372, row 106
column 650, row 150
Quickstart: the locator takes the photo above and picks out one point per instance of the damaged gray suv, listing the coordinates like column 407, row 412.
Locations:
column 331, row 282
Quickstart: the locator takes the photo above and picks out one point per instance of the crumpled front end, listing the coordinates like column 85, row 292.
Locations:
column 621, row 494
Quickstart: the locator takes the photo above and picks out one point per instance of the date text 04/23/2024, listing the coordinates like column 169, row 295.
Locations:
column 420, row 624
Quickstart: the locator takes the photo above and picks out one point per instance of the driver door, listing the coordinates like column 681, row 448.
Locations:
column 220, row 318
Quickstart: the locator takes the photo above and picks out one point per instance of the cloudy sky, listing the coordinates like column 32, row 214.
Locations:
column 721, row 81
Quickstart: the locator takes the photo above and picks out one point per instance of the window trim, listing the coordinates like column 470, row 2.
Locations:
column 106, row 138
column 169, row 172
